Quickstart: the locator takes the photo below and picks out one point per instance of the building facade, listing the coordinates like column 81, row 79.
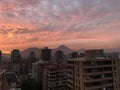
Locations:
column 94, row 73
column 91, row 74
column 55, row 77
column 37, row 70
column 46, row 54
column 15, row 56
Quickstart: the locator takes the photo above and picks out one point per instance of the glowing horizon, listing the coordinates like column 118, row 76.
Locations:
column 75, row 23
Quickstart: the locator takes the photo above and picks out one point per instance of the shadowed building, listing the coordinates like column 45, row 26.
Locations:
column 46, row 54
column 94, row 53
column 74, row 55
column 16, row 61
column 12, row 81
column 81, row 55
column 59, row 56
column 15, row 56
column 32, row 57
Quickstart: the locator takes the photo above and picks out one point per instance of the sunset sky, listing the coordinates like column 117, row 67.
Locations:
column 75, row 23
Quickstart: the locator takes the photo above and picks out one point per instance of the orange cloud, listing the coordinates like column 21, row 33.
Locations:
column 77, row 23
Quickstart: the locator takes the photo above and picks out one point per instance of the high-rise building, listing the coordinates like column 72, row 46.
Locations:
column 16, row 61
column 94, row 72
column 94, row 53
column 59, row 56
column 15, row 56
column 81, row 55
column 32, row 57
column 37, row 70
column 46, row 54
column 0, row 56
column 74, row 54
column 55, row 77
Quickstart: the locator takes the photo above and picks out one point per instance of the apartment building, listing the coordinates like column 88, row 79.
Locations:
column 94, row 72
column 37, row 70
column 116, row 74
column 55, row 77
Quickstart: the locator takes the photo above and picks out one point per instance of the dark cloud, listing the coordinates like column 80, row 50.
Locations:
column 56, row 11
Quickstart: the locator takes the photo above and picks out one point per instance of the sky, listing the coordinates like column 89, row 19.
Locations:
column 75, row 23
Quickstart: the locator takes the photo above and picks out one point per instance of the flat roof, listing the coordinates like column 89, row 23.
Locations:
column 89, row 59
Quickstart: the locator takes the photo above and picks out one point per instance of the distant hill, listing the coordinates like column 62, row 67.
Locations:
column 63, row 48
column 112, row 50
column 25, row 53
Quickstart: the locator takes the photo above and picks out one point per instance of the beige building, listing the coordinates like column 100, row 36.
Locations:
column 94, row 73
column 38, row 68
column 55, row 77
column 52, row 75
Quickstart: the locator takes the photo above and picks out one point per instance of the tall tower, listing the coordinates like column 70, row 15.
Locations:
column 15, row 56
column 46, row 54
column 74, row 55
column 32, row 57
column 59, row 56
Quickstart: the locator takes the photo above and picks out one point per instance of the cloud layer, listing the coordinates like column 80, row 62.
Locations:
column 25, row 23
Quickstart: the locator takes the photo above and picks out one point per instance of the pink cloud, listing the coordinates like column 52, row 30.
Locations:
column 26, row 23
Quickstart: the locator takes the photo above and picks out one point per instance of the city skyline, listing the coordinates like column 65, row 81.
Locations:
column 75, row 23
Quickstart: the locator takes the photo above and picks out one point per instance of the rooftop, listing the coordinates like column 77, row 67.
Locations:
column 89, row 59
column 56, row 66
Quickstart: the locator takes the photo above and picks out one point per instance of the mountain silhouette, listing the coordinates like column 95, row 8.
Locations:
column 25, row 53
column 63, row 48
